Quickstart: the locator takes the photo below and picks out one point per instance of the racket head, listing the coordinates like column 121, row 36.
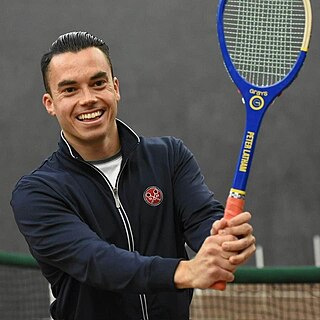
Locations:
column 264, row 44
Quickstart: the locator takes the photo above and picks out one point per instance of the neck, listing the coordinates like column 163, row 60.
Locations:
column 97, row 149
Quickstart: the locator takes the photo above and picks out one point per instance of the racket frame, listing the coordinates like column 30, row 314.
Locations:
column 257, row 99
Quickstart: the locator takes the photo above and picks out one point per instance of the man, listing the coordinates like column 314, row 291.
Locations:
column 107, row 215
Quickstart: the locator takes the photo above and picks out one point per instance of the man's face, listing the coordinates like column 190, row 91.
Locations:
column 84, row 96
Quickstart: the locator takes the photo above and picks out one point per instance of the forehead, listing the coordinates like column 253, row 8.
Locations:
column 71, row 65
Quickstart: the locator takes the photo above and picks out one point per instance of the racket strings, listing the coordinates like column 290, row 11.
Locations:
column 264, row 37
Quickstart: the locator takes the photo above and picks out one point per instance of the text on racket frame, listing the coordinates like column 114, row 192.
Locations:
column 245, row 157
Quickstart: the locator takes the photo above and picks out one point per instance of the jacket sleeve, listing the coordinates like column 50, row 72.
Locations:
column 195, row 203
column 60, row 241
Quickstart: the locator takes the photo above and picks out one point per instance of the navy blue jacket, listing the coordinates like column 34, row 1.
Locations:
column 111, row 253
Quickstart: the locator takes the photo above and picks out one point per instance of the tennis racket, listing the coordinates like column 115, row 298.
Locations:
column 264, row 44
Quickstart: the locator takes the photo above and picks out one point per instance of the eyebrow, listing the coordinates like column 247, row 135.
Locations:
column 100, row 74
column 66, row 83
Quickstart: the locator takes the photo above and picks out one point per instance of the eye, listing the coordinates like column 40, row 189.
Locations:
column 69, row 90
column 100, row 83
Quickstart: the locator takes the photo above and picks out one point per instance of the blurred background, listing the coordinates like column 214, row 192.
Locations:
column 172, row 80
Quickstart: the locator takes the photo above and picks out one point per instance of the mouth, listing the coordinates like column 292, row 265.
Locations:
column 90, row 116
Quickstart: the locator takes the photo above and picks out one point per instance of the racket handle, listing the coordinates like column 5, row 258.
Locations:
column 234, row 206
column 220, row 285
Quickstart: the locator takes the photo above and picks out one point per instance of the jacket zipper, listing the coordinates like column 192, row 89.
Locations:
column 127, row 226
column 116, row 197
column 115, row 193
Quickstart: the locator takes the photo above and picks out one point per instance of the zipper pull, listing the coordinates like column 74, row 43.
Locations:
column 116, row 198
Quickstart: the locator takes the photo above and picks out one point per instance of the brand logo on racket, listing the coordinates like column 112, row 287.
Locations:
column 153, row 196
column 258, row 92
column 256, row 103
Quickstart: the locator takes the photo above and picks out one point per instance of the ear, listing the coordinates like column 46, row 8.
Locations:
column 116, row 86
column 48, row 103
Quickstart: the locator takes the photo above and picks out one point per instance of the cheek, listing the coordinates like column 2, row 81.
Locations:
column 63, row 113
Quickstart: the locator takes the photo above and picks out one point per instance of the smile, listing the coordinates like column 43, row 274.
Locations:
column 90, row 116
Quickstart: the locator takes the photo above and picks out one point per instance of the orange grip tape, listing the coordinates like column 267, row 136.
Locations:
column 220, row 285
column 234, row 206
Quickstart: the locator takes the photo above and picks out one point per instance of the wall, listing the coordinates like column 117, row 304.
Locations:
column 172, row 82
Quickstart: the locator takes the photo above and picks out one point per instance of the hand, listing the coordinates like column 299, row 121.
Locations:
column 244, row 245
column 211, row 264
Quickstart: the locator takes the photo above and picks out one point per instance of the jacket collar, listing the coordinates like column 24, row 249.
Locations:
column 128, row 138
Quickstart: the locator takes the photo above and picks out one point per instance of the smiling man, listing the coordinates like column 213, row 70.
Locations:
column 108, row 214
column 83, row 95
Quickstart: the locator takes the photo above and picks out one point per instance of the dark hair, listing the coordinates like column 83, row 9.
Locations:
column 72, row 42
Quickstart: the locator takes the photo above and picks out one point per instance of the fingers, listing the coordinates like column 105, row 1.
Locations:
column 243, row 256
column 243, row 249
column 230, row 244
column 239, row 230
column 241, row 218
column 243, row 245
column 212, row 263
column 238, row 226
column 218, row 225
column 215, row 255
column 219, row 239
column 239, row 244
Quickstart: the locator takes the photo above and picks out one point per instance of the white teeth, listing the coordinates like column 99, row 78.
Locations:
column 88, row 116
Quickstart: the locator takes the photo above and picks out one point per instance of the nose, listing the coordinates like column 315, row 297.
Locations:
column 87, row 98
